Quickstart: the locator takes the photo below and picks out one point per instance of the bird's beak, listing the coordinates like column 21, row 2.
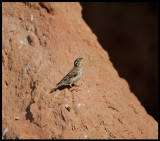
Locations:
column 81, row 59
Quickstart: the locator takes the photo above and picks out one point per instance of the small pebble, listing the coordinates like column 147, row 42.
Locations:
column 5, row 131
column 67, row 107
column 31, row 18
column 85, row 136
column 21, row 42
column 79, row 104
column 16, row 118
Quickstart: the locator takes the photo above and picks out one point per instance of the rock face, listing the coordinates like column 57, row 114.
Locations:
column 39, row 45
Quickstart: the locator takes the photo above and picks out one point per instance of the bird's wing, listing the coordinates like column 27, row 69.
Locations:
column 71, row 74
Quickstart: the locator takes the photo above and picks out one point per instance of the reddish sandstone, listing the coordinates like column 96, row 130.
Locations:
column 39, row 44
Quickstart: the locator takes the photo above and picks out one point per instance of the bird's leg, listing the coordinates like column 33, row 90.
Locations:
column 70, row 85
column 76, row 89
column 77, row 85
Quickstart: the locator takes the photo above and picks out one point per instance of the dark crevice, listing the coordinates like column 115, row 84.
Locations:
column 63, row 118
column 37, row 35
column 43, row 6
column 32, row 86
column 30, row 40
column 113, row 108
column 29, row 115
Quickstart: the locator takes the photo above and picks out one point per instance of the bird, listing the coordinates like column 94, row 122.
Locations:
column 74, row 75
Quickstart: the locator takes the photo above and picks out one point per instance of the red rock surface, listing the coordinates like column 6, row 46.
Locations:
column 39, row 44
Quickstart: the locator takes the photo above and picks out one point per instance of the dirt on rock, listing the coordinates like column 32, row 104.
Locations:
column 39, row 45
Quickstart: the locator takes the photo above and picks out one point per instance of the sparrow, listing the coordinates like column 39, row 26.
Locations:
column 74, row 75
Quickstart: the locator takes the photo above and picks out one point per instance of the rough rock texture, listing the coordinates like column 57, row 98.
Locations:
column 39, row 44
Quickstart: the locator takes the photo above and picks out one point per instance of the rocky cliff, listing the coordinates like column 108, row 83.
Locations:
column 40, row 42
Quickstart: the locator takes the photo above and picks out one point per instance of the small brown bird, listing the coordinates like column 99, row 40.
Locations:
column 74, row 75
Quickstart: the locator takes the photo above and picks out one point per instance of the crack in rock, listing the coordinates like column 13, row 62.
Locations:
column 49, row 8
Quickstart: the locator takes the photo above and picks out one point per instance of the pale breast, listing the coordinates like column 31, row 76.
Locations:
column 78, row 76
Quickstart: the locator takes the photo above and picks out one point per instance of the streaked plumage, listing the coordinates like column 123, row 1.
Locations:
column 74, row 75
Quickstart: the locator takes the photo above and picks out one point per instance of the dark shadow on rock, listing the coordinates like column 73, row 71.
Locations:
column 62, row 88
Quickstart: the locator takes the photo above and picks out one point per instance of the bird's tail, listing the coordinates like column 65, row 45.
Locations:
column 52, row 90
